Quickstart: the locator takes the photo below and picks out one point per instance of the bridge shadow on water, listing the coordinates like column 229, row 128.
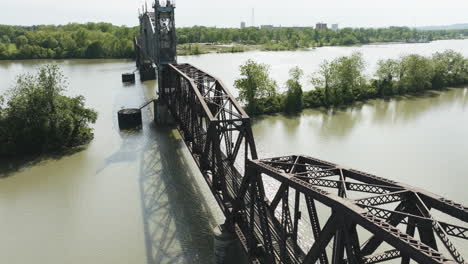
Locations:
column 339, row 122
column 178, row 221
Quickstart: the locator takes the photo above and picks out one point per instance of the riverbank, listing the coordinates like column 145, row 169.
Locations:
column 207, row 48
column 213, row 48
column 104, row 40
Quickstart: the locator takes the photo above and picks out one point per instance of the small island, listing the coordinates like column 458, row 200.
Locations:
column 37, row 118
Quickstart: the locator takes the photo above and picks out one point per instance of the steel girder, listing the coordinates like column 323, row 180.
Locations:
column 363, row 200
column 270, row 227
column 213, row 126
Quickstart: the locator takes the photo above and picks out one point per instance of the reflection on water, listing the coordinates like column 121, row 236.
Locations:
column 340, row 122
column 409, row 108
column 417, row 140
column 409, row 139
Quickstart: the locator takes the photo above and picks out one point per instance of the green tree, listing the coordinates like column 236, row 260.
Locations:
column 342, row 79
column 3, row 51
column 388, row 73
column 349, row 39
column 465, row 72
column 323, row 79
column 314, row 98
column 50, row 42
column 449, row 68
column 350, row 77
column 254, row 85
column 38, row 118
column 95, row 50
column 417, row 73
column 5, row 39
column 21, row 41
column 293, row 100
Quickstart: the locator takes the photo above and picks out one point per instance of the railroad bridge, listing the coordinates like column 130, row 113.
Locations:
column 351, row 216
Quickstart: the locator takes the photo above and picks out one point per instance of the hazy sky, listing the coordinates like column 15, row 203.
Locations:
column 222, row 13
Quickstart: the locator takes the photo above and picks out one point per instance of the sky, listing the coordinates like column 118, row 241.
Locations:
column 223, row 13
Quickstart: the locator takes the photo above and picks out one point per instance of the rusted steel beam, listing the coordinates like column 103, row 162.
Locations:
column 382, row 230
column 214, row 126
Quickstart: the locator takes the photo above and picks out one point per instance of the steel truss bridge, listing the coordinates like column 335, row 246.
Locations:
column 315, row 211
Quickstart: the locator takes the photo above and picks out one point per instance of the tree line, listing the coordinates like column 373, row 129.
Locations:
column 104, row 40
column 342, row 81
column 288, row 38
column 91, row 40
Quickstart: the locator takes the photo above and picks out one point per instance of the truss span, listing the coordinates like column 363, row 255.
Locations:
column 337, row 206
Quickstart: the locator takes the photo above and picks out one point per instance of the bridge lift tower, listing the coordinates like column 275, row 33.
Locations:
column 156, row 48
column 156, row 45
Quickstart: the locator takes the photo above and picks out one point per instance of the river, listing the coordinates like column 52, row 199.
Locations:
column 137, row 197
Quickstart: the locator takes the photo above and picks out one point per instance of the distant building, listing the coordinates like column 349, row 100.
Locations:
column 321, row 26
column 335, row 27
column 266, row 26
column 242, row 24
column 301, row 27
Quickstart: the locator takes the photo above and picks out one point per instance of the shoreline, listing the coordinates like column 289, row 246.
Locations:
column 212, row 48
column 407, row 96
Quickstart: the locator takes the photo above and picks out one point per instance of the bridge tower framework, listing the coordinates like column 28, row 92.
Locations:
column 156, row 47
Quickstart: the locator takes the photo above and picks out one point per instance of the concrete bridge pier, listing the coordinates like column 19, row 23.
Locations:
column 224, row 246
column 162, row 115
column 147, row 71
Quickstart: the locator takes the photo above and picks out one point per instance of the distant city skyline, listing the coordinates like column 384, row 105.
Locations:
column 356, row 13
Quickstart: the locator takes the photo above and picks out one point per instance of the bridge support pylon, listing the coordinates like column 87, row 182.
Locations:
column 162, row 115
column 224, row 246
column 147, row 71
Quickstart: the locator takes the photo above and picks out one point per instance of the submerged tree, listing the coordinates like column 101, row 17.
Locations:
column 388, row 74
column 38, row 117
column 342, row 79
column 255, row 85
column 449, row 69
column 417, row 73
column 293, row 100
column 322, row 79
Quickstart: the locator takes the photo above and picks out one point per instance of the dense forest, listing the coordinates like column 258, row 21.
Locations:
column 342, row 81
column 91, row 40
column 104, row 40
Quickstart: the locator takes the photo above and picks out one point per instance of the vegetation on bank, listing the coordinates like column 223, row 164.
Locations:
column 197, row 49
column 36, row 117
column 104, row 40
column 342, row 81
column 91, row 40
column 289, row 38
